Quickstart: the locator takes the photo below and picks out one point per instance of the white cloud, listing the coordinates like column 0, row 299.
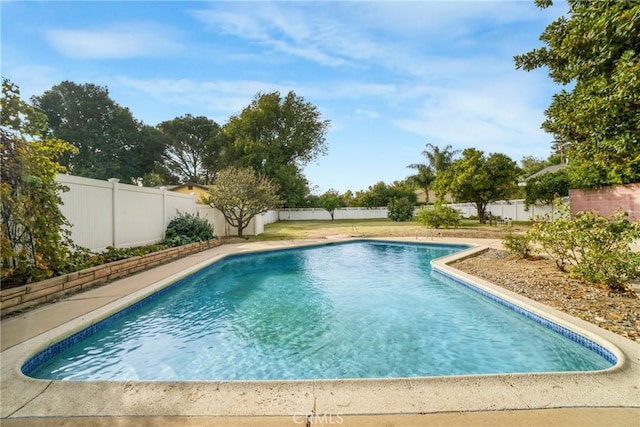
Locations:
column 116, row 41
column 499, row 116
column 316, row 34
column 363, row 112
column 32, row 79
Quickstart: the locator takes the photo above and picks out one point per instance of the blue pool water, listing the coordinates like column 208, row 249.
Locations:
column 353, row 310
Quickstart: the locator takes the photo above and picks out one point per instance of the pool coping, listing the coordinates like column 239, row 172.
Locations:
column 27, row 397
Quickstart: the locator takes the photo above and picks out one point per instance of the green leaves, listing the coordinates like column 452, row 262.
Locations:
column 330, row 201
column 192, row 147
column 479, row 179
column 597, row 49
column 276, row 136
column 546, row 188
column 241, row 194
column 592, row 247
column 437, row 216
column 187, row 228
column 110, row 142
column 400, row 209
column 34, row 231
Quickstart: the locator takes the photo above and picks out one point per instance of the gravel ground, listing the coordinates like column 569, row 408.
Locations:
column 540, row 280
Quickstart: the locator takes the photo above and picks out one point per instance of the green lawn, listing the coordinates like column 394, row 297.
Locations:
column 361, row 227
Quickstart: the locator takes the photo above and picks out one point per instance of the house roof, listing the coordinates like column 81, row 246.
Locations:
column 187, row 184
column 548, row 169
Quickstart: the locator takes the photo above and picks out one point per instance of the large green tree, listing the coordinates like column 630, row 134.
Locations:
column 34, row 242
column 595, row 48
column 277, row 136
column 110, row 142
column 240, row 194
column 479, row 179
column 194, row 148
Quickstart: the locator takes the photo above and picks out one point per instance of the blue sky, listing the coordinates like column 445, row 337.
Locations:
column 390, row 76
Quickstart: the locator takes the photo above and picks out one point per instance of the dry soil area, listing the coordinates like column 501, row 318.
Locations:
column 540, row 280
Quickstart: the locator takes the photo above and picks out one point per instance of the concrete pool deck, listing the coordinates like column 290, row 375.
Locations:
column 610, row 397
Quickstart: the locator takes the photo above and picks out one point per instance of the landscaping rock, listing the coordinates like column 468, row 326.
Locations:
column 540, row 280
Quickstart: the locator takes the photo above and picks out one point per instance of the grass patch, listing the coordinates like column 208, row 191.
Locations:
column 286, row 230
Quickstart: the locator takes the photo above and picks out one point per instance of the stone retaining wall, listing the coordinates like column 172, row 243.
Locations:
column 19, row 298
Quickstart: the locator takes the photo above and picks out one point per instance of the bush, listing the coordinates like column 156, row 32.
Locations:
column 187, row 228
column 603, row 245
column 400, row 209
column 519, row 245
column 593, row 248
column 438, row 216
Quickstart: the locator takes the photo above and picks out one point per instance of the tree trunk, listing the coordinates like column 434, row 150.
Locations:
column 481, row 207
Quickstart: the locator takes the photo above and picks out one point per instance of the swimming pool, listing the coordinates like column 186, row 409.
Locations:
column 360, row 310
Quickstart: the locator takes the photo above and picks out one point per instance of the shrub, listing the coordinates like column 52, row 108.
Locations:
column 400, row 209
column 555, row 236
column 593, row 248
column 438, row 216
column 519, row 245
column 603, row 247
column 187, row 228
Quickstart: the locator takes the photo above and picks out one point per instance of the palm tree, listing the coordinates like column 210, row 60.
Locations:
column 422, row 179
column 438, row 160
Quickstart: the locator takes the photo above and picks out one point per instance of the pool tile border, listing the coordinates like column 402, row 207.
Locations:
column 559, row 329
column 48, row 353
column 25, row 397
column 45, row 355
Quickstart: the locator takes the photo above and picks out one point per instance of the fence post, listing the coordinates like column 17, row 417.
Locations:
column 114, row 210
column 164, row 210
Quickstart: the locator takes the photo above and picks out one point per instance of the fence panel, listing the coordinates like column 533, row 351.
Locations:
column 270, row 217
column 107, row 213
column 505, row 209
column 175, row 203
column 139, row 219
column 318, row 214
column 88, row 206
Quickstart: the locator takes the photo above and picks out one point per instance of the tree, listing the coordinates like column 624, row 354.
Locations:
column 596, row 49
column 241, row 194
column 34, row 243
column 479, row 179
column 423, row 179
column 546, row 188
column 438, row 160
column 277, row 136
column 380, row 194
column 330, row 201
column 194, row 148
column 110, row 142
column 531, row 165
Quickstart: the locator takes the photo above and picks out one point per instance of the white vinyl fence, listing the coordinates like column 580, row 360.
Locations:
column 108, row 213
column 309, row 214
column 505, row 209
column 222, row 228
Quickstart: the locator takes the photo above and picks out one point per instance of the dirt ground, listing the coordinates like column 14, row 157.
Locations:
column 540, row 280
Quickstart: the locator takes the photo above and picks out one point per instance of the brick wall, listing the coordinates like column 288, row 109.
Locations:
column 19, row 298
column 607, row 200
